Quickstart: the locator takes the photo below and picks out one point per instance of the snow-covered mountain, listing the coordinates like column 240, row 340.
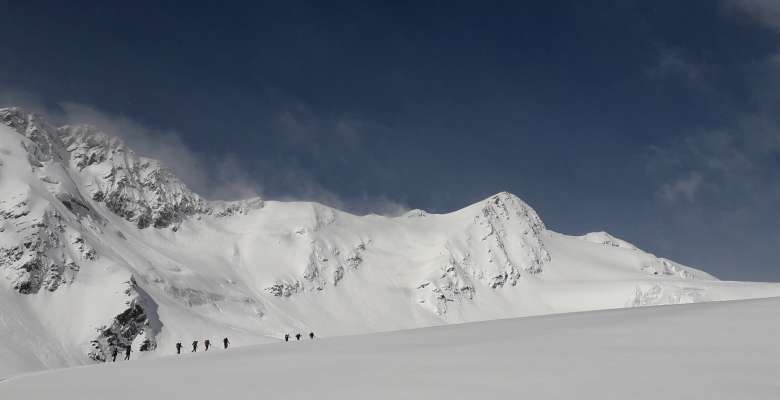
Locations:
column 101, row 248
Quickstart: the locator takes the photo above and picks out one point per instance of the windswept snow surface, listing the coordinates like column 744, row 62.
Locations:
column 724, row 350
column 103, row 249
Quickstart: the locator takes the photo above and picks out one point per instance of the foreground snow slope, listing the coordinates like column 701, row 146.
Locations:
column 103, row 249
column 724, row 350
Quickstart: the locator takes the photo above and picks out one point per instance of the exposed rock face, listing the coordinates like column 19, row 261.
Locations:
column 44, row 257
column 327, row 265
column 44, row 144
column 284, row 288
column 134, row 328
column 233, row 208
column 451, row 286
column 136, row 188
column 501, row 245
column 503, row 215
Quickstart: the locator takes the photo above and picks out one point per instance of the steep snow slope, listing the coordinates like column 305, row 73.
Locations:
column 101, row 248
column 725, row 350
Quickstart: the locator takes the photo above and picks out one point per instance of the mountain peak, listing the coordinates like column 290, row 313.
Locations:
column 89, row 135
column 136, row 188
column 505, row 205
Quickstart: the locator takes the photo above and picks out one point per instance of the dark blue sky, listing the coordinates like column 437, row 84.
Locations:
column 656, row 121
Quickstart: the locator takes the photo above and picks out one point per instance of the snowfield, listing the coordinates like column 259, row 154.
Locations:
column 102, row 249
column 723, row 350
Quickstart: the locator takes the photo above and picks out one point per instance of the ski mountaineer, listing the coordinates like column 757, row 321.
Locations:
column 113, row 354
column 207, row 343
column 225, row 342
column 286, row 337
column 311, row 335
column 298, row 336
column 127, row 353
column 178, row 348
column 194, row 346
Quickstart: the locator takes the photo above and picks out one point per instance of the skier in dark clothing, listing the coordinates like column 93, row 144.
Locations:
column 311, row 335
column 298, row 336
column 207, row 343
column 127, row 352
column 178, row 348
column 225, row 342
column 113, row 354
column 286, row 337
column 194, row 346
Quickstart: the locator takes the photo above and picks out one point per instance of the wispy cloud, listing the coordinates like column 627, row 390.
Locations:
column 685, row 188
column 339, row 140
column 213, row 177
column 297, row 184
column 682, row 66
column 226, row 176
column 764, row 12
column 675, row 63
column 164, row 145
column 298, row 125
column 737, row 164
column 727, row 170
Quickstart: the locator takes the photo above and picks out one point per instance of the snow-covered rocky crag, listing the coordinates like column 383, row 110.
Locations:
column 101, row 248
